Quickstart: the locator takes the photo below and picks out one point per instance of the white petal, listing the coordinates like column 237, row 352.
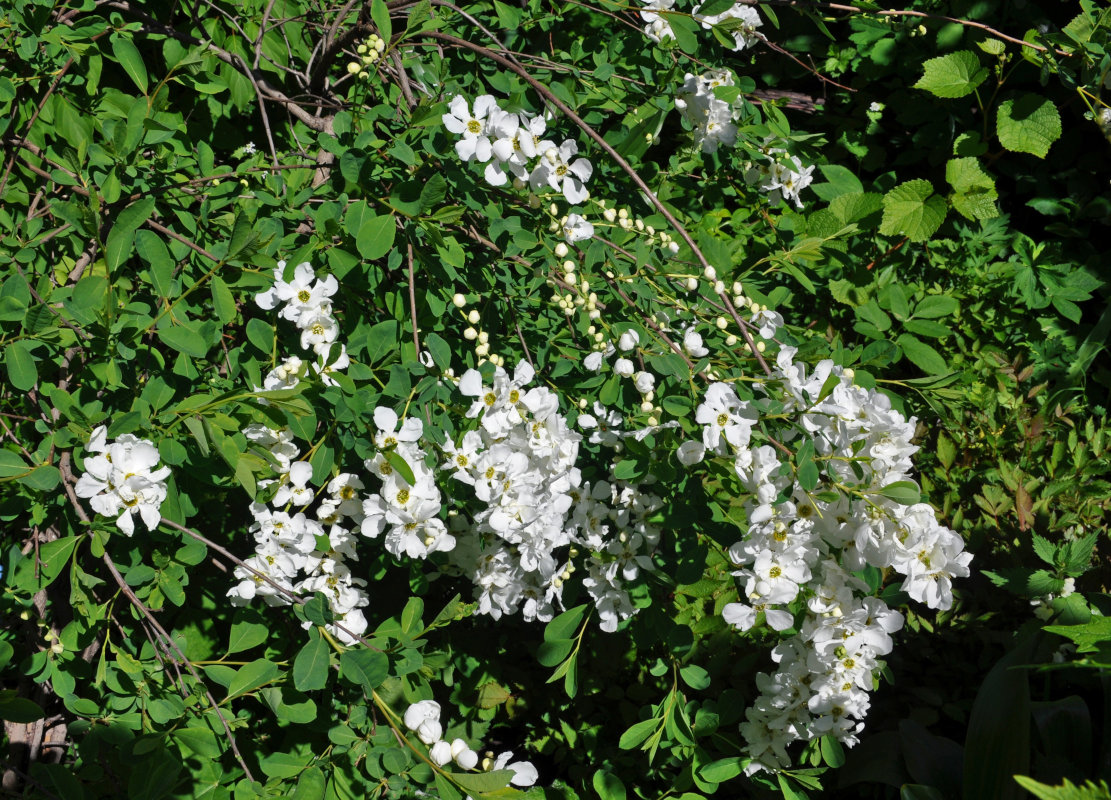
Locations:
column 386, row 419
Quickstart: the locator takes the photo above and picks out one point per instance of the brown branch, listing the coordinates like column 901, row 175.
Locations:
column 413, row 300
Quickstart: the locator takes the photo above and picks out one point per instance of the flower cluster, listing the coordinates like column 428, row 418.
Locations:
column 510, row 142
column 781, row 175
column 797, row 559
column 306, row 302
column 710, row 117
column 423, row 719
column 123, row 479
column 743, row 29
column 532, row 513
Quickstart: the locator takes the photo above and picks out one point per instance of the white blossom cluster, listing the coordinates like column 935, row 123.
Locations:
column 658, row 29
column 713, row 123
column 743, row 31
column 531, row 503
column 796, row 561
column 306, row 302
column 123, row 479
column 781, row 175
column 510, row 144
column 423, row 719
column 711, row 118
column 302, row 554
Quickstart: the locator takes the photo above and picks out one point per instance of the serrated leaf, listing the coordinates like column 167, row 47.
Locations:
column 1029, row 124
column 952, row 75
column 974, row 193
column 913, row 210
column 1044, row 549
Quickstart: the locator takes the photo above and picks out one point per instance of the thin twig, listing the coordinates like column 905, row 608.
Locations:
column 413, row 299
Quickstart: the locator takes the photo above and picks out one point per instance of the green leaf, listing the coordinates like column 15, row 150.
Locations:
column 185, row 338
column 832, row 751
column 398, row 463
column 23, row 374
column 952, row 75
column 974, row 193
column 121, row 238
column 261, row 335
column 376, row 235
column 152, row 249
column 554, row 651
column 722, row 770
column 222, row 301
column 381, row 16
column 478, row 784
column 364, row 667
column 1088, row 637
column 310, row 668
column 1029, row 124
column 638, row 732
column 922, row 355
column 131, row 60
column 18, row 709
column 903, row 492
column 252, row 676
column 565, row 625
column 608, row 786
column 913, row 210
column 935, row 306
column 283, row 765
column 1066, row 791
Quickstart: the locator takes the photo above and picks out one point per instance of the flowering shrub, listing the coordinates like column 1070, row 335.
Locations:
column 542, row 402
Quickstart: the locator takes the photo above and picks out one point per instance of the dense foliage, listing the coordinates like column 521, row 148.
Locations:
column 604, row 399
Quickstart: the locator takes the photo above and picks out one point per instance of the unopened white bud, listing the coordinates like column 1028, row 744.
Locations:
column 722, row 323
column 560, row 250
column 459, row 301
column 761, row 347
column 730, row 340
column 719, row 287
column 483, row 337
column 691, row 284
column 470, row 334
column 609, row 214
column 473, row 316
column 710, row 273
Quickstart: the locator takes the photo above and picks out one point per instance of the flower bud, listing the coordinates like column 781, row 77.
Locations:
column 459, row 301
column 470, row 334
column 710, row 273
column 560, row 250
column 473, row 317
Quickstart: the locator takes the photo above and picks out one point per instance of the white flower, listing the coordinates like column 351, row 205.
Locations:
column 628, row 340
column 557, row 170
column 690, row 453
column 645, row 382
column 120, row 479
column 692, row 344
column 475, row 144
column 624, row 367
column 576, row 229
column 423, row 718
